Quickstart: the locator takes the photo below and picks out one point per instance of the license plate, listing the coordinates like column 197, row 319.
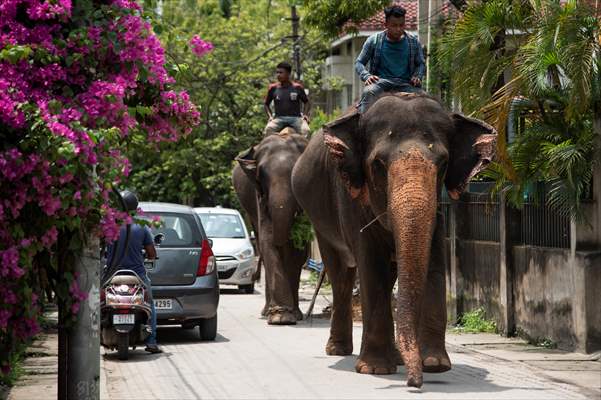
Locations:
column 163, row 304
column 124, row 319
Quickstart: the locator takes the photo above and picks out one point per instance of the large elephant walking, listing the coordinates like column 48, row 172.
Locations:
column 380, row 174
column 262, row 182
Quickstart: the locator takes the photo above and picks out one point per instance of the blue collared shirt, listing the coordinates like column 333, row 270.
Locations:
column 372, row 54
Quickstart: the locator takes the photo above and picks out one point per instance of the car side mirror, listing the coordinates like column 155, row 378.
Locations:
column 210, row 242
column 158, row 239
column 252, row 235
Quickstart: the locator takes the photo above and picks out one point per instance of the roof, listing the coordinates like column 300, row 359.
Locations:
column 165, row 207
column 216, row 210
column 376, row 21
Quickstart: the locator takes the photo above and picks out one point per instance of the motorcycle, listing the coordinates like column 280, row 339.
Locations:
column 125, row 312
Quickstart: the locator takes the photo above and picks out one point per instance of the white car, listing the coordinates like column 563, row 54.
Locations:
column 232, row 246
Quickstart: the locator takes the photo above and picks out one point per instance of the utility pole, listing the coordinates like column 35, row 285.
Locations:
column 295, row 42
column 79, row 346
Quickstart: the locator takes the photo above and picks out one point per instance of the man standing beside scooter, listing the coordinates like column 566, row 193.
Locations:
column 129, row 256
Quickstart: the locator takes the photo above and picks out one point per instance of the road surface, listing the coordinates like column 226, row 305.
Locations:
column 251, row 360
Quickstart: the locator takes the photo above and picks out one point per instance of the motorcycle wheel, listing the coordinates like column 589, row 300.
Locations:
column 123, row 346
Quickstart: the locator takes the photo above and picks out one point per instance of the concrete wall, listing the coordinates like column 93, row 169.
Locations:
column 558, row 296
column 541, row 292
column 544, row 294
column 478, row 263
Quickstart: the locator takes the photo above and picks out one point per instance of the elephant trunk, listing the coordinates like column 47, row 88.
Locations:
column 412, row 211
column 282, row 208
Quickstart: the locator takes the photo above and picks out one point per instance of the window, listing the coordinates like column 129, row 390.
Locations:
column 226, row 226
column 179, row 230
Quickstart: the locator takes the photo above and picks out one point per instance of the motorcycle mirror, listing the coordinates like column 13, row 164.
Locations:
column 158, row 239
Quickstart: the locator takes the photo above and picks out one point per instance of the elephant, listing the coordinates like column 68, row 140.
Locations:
column 262, row 183
column 381, row 173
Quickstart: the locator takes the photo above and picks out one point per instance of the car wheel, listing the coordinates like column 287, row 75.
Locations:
column 248, row 289
column 208, row 328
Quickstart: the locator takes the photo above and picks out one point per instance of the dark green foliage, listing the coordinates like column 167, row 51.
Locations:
column 331, row 16
column 229, row 85
column 552, row 54
column 301, row 233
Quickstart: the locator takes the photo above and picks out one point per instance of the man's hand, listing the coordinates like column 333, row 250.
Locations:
column 371, row 80
column 415, row 81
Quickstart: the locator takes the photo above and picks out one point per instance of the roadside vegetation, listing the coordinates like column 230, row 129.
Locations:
column 552, row 55
column 475, row 321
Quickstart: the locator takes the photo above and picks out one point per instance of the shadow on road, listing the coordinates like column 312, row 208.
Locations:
column 177, row 335
column 166, row 335
column 453, row 381
column 233, row 290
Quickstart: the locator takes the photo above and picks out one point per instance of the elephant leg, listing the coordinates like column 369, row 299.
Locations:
column 342, row 279
column 433, row 319
column 265, row 310
column 293, row 264
column 379, row 354
column 281, row 303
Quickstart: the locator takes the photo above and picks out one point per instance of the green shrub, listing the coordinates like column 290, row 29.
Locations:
column 475, row 322
column 301, row 233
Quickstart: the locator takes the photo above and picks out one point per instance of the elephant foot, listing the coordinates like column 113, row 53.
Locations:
column 281, row 316
column 338, row 348
column 298, row 314
column 375, row 366
column 436, row 361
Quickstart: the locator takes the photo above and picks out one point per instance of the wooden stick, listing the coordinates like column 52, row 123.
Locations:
column 322, row 276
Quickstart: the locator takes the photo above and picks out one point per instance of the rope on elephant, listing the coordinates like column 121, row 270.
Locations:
column 371, row 222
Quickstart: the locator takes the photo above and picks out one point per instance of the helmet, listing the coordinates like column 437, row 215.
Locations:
column 129, row 200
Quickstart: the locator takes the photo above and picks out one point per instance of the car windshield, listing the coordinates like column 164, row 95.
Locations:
column 222, row 226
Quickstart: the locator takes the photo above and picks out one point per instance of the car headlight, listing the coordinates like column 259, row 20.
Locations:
column 245, row 255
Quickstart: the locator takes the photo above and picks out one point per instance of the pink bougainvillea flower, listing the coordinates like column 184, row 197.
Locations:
column 200, row 47
column 69, row 95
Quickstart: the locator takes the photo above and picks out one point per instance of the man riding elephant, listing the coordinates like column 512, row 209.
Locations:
column 287, row 97
column 395, row 58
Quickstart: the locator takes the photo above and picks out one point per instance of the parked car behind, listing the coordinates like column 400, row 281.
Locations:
column 233, row 249
column 184, row 279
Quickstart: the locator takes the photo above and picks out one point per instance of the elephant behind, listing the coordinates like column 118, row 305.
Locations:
column 262, row 182
column 380, row 174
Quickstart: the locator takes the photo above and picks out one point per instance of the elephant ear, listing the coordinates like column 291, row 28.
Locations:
column 472, row 146
column 248, row 163
column 343, row 140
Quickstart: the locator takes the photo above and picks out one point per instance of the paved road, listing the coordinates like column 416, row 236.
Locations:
column 251, row 360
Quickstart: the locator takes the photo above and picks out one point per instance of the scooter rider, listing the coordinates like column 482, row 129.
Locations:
column 131, row 257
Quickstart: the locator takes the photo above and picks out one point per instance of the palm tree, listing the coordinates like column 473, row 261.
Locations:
column 550, row 55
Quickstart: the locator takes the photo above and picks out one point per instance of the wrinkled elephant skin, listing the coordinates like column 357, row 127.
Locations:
column 381, row 174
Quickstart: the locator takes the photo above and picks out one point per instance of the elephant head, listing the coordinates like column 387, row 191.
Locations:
column 394, row 160
column 269, row 166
